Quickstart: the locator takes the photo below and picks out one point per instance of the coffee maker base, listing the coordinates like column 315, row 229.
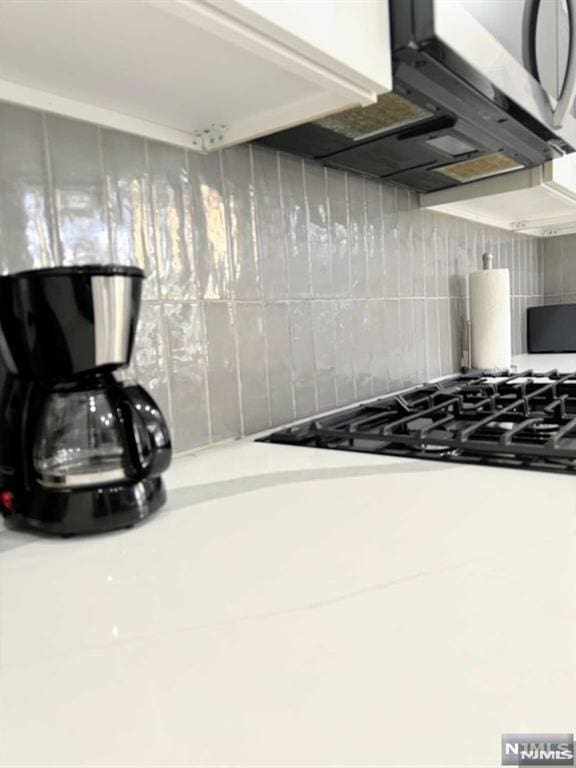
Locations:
column 88, row 510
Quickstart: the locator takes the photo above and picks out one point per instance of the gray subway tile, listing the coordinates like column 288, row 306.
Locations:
column 520, row 266
column 344, row 336
column 76, row 165
column 446, row 335
column 523, row 323
column 407, row 345
column 318, row 229
column 240, row 207
column 380, row 383
column 209, row 230
column 225, row 419
column 324, row 354
column 129, row 205
column 358, row 260
column 269, row 223
column 302, row 358
column 279, row 363
column 362, row 349
column 170, row 191
column 553, row 267
column 433, row 340
column 270, row 238
column 252, row 361
column 506, row 248
column 404, row 244
column 430, row 263
column 390, row 242
column 418, row 250
column 393, row 345
column 441, row 250
column 339, row 232
column 187, row 372
column 374, row 240
column 420, row 347
column 462, row 264
column 295, row 225
column 26, row 220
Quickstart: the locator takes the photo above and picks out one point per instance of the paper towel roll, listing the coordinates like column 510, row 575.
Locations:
column 491, row 321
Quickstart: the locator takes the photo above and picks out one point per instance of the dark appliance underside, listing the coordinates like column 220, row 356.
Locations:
column 525, row 420
column 441, row 113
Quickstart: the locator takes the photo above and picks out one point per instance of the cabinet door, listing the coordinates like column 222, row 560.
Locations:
column 200, row 73
column 353, row 34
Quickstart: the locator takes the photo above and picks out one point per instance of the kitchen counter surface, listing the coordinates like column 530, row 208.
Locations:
column 297, row 608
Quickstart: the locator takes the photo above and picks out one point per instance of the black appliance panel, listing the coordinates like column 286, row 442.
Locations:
column 552, row 328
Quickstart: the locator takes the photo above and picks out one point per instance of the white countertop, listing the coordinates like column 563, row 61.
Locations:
column 297, row 608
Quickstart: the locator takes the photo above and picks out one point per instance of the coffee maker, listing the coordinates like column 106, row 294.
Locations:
column 80, row 451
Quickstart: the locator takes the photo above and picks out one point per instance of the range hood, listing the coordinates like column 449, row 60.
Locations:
column 464, row 107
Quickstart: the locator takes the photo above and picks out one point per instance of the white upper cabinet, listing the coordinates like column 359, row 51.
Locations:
column 200, row 73
column 538, row 201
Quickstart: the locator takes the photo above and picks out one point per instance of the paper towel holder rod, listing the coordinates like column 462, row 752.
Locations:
column 487, row 261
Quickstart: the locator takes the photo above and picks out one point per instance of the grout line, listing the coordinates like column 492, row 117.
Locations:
column 151, row 241
column 168, row 348
column 231, row 302
column 206, row 367
column 52, row 212
column 106, row 200
column 286, row 261
column 200, row 302
column 325, row 299
column 260, row 277
column 267, row 365
column 348, row 245
column 311, row 282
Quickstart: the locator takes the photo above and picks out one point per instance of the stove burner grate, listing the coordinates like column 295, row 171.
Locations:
column 524, row 420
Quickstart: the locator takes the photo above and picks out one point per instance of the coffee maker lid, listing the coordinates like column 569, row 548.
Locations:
column 92, row 270
column 64, row 322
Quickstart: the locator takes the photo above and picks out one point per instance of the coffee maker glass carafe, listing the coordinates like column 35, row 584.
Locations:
column 79, row 440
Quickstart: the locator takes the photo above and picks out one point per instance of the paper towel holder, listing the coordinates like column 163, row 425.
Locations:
column 466, row 360
column 468, row 347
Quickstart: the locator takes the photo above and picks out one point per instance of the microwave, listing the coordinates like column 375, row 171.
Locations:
column 480, row 88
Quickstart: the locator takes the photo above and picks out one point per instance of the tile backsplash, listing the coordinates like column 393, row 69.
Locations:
column 560, row 269
column 276, row 288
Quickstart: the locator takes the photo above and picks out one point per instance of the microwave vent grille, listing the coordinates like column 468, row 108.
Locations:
column 389, row 112
column 480, row 167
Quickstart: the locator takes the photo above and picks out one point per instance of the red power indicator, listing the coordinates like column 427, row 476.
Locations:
column 7, row 500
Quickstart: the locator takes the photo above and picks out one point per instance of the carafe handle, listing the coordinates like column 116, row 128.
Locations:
column 143, row 417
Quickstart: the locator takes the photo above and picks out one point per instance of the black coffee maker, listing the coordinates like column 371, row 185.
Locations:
column 80, row 452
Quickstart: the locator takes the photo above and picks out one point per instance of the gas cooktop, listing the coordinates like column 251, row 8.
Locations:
column 524, row 420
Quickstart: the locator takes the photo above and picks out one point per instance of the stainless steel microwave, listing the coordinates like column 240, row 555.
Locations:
column 481, row 88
